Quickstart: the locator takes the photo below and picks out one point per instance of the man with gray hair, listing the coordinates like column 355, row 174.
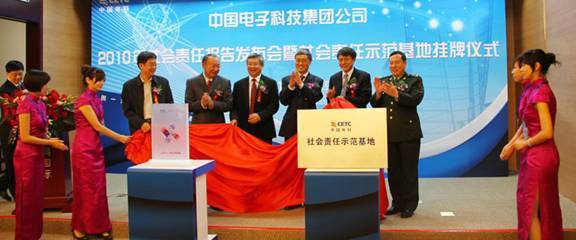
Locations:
column 300, row 90
column 208, row 95
column 255, row 101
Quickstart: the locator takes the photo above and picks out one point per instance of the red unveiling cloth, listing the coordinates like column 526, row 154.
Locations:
column 250, row 175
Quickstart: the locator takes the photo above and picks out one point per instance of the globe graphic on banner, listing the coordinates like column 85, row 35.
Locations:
column 158, row 27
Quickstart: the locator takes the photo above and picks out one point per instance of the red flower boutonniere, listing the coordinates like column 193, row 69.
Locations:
column 156, row 91
column 352, row 86
column 261, row 89
column 311, row 85
column 216, row 94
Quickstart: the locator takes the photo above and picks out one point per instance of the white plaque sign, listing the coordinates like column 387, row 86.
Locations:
column 170, row 131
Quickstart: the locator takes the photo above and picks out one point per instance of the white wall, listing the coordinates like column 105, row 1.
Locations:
column 12, row 44
column 561, row 40
column 65, row 43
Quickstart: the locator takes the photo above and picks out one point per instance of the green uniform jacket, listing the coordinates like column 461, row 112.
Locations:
column 403, row 120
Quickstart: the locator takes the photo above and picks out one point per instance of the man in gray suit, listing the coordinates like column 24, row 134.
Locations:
column 208, row 95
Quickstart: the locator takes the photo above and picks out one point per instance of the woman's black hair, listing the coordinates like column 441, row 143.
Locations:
column 531, row 57
column 91, row 72
column 35, row 79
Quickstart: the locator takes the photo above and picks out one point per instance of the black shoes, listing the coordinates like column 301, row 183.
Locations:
column 406, row 214
column 4, row 195
column 392, row 211
column 403, row 213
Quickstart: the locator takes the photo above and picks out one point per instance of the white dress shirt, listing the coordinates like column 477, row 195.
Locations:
column 147, row 98
column 344, row 81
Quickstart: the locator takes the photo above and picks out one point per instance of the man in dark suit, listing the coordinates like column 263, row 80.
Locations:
column 401, row 93
column 139, row 93
column 300, row 90
column 14, row 72
column 351, row 83
column 208, row 95
column 255, row 101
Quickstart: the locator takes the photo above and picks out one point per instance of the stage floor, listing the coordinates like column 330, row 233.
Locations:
column 483, row 205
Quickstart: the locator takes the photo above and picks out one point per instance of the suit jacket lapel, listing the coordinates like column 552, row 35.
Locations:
column 215, row 83
column 139, row 94
column 338, row 83
column 352, row 76
column 154, row 84
column 12, row 87
column 246, row 92
column 308, row 78
column 9, row 87
column 203, row 84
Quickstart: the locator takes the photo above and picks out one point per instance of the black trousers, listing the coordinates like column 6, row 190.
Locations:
column 403, row 174
column 7, row 183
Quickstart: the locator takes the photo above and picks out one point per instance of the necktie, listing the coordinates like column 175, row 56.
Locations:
column 344, row 85
column 209, row 84
column 253, row 90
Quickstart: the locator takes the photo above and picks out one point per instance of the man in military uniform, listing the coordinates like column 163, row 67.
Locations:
column 401, row 93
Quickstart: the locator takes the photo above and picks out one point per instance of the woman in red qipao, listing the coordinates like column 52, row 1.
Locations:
column 90, row 204
column 537, row 197
column 29, row 156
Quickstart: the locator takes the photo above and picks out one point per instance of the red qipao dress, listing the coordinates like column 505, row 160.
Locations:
column 29, row 171
column 90, row 204
column 538, row 167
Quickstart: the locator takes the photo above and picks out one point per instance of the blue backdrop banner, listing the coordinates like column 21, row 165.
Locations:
column 458, row 47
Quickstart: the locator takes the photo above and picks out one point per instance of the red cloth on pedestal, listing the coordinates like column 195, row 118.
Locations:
column 250, row 175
